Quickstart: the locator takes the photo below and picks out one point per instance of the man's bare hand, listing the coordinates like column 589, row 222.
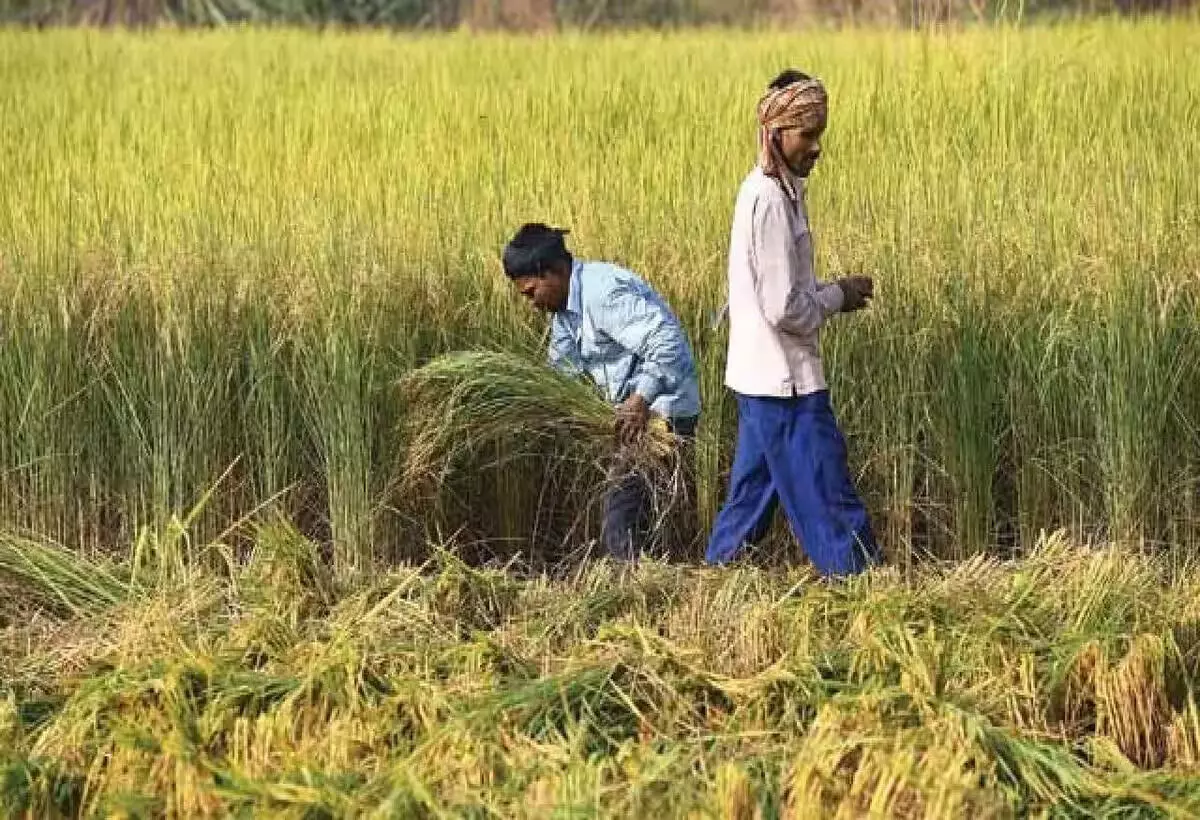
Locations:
column 856, row 292
column 633, row 415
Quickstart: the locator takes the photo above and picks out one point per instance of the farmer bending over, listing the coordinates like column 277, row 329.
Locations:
column 611, row 325
column 789, row 448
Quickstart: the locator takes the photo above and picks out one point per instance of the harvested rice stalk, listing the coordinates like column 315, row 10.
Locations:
column 1132, row 700
column 734, row 792
column 59, row 578
column 469, row 403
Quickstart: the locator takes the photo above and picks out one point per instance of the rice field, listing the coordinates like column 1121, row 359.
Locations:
column 254, row 562
column 221, row 251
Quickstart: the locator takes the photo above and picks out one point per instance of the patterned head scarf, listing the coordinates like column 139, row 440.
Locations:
column 803, row 104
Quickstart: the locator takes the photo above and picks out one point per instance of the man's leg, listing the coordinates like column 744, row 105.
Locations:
column 626, row 508
column 629, row 501
column 814, row 484
column 751, row 501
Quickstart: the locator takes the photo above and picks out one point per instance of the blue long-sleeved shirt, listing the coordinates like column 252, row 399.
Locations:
column 622, row 334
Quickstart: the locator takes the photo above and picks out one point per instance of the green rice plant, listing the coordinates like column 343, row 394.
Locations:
column 337, row 371
column 36, row 787
column 1147, row 366
column 969, row 422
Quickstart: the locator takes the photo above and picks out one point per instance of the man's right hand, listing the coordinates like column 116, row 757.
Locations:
column 856, row 292
column 633, row 415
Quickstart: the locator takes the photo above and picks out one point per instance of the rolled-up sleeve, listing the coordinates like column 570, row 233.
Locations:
column 791, row 299
column 645, row 328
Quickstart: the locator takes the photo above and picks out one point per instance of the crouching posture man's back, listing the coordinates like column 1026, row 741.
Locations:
column 610, row 325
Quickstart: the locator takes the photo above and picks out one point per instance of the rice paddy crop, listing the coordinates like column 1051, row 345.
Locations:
column 228, row 248
column 289, row 508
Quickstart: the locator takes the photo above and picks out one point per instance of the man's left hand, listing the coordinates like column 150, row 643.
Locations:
column 633, row 415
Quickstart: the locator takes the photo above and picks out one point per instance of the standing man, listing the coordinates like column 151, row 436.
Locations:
column 789, row 447
column 611, row 325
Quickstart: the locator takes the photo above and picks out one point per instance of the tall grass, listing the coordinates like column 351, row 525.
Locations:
column 226, row 249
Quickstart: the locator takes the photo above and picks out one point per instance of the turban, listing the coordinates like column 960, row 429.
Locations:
column 802, row 104
column 534, row 249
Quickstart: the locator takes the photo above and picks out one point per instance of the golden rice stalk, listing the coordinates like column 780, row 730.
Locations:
column 464, row 405
column 10, row 721
column 1078, row 707
column 735, row 793
column 1126, row 700
column 1183, row 739
column 1132, row 703
column 857, row 761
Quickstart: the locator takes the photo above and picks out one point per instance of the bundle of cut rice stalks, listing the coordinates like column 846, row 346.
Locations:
column 480, row 408
column 58, row 578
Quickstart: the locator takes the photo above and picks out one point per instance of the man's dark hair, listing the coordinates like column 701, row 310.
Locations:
column 535, row 249
column 788, row 77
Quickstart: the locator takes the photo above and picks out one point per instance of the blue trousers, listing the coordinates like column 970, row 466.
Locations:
column 790, row 451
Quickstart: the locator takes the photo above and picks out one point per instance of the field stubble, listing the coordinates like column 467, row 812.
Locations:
column 1058, row 685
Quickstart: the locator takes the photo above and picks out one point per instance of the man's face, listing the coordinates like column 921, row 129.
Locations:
column 801, row 147
column 547, row 291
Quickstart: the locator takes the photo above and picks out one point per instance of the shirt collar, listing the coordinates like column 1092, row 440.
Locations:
column 575, row 289
column 794, row 188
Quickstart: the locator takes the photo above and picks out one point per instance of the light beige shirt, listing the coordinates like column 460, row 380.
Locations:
column 776, row 305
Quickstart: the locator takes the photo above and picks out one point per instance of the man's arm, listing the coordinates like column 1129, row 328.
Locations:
column 790, row 302
column 644, row 327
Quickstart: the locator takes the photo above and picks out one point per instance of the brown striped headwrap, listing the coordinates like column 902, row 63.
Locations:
column 803, row 104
